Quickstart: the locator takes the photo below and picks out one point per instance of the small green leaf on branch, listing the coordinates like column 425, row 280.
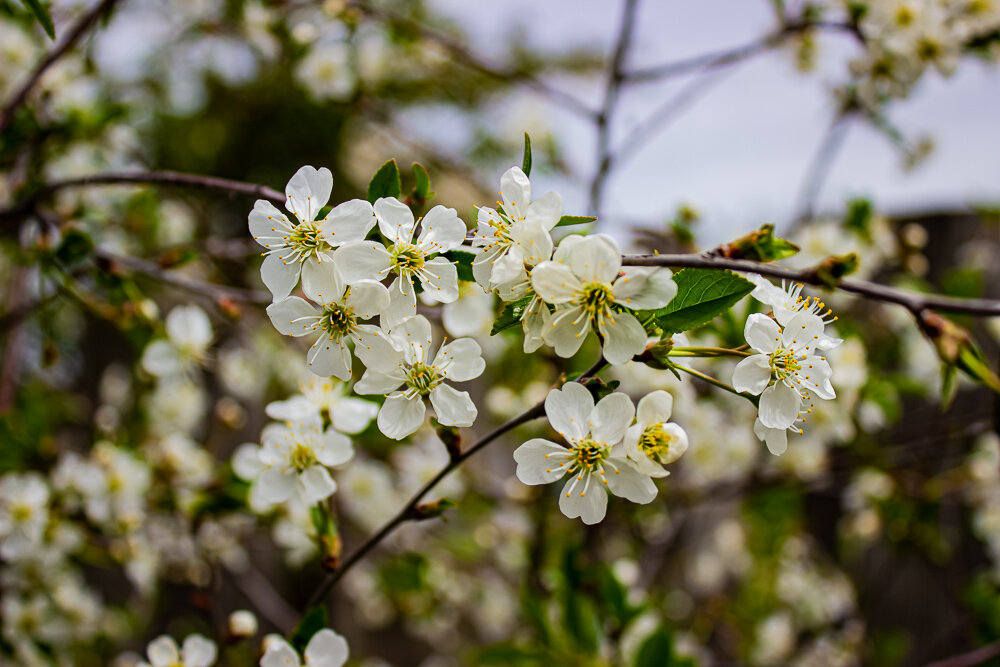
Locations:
column 463, row 264
column 759, row 246
column 311, row 623
column 431, row 510
column 702, row 295
column 510, row 315
column 41, row 13
column 385, row 182
column 526, row 163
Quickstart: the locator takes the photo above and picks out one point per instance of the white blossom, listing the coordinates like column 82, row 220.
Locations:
column 296, row 245
column 189, row 333
column 441, row 230
column 653, row 442
column 197, row 651
column 401, row 357
column 335, row 321
column 325, row 649
column 24, row 513
column 587, row 285
column 786, row 369
column 325, row 399
column 594, row 457
column 515, row 236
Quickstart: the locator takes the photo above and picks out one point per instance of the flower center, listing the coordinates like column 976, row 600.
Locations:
column 589, row 455
column 306, row 241
column 596, row 298
column 928, row 49
column 407, row 258
column 20, row 513
column 904, row 16
column 784, row 363
column 422, row 378
column 337, row 320
column 302, row 457
column 655, row 442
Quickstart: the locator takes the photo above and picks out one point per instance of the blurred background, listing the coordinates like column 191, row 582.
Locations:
column 875, row 539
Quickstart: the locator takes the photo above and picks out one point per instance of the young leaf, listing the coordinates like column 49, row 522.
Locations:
column 760, row 246
column 385, row 182
column 526, row 164
column 311, row 623
column 463, row 263
column 702, row 295
column 658, row 651
column 510, row 315
column 421, row 182
column 41, row 13
column 568, row 220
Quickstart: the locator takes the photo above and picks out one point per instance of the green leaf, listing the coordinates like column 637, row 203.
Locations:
column 463, row 263
column 421, row 182
column 759, row 246
column 702, row 294
column 311, row 623
column 568, row 220
column 526, row 164
column 510, row 315
column 385, row 182
column 658, row 651
column 42, row 14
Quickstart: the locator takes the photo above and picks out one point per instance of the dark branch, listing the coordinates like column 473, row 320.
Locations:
column 913, row 301
column 819, row 168
column 81, row 27
column 976, row 657
column 163, row 178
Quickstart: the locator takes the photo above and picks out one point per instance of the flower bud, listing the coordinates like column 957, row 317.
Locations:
column 242, row 624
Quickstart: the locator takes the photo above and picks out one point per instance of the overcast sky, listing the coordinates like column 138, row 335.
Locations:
column 740, row 154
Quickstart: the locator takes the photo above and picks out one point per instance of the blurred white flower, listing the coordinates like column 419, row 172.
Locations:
column 325, row 649
column 197, row 651
column 189, row 333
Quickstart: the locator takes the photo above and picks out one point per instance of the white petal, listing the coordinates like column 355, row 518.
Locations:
column 776, row 438
column 279, row 276
column 596, row 259
column 803, row 332
column 280, row 654
column 322, row 283
column 440, row 280
column 263, row 221
column 246, row 462
column 453, row 407
column 645, row 288
column 362, row 260
column 189, row 326
column 654, row 408
column 590, row 505
column 316, row 484
column 540, row 461
column 555, row 282
column 293, row 316
column 533, row 242
column 567, row 329
column 326, row 649
column 163, row 651
column 375, row 382
column 367, row 299
column 275, row 485
column 199, row 651
column 752, row 374
column 415, row 332
column 297, row 408
column 441, row 230
column 568, row 411
column 624, row 338
column 352, row 415
column 762, row 333
column 333, row 449
column 678, row 442
column 402, row 303
column 546, row 211
column 515, row 188
column 626, row 482
column 611, row 417
column 374, row 347
column 348, row 222
column 401, row 416
column 395, row 220
column 461, row 359
column 308, row 191
column 779, row 406
column 330, row 356
column 161, row 359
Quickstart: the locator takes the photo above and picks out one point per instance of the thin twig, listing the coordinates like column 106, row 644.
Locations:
column 407, row 512
column 81, row 27
column 913, row 301
column 165, row 178
column 612, row 89
column 820, row 167
column 976, row 657
column 711, row 380
column 265, row 598
column 210, row 290
column 465, row 57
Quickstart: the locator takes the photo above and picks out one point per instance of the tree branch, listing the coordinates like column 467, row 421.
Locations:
column 819, row 168
column 165, row 178
column 408, row 510
column 913, row 301
column 81, row 27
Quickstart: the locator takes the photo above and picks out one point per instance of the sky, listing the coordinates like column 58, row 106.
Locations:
column 741, row 152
